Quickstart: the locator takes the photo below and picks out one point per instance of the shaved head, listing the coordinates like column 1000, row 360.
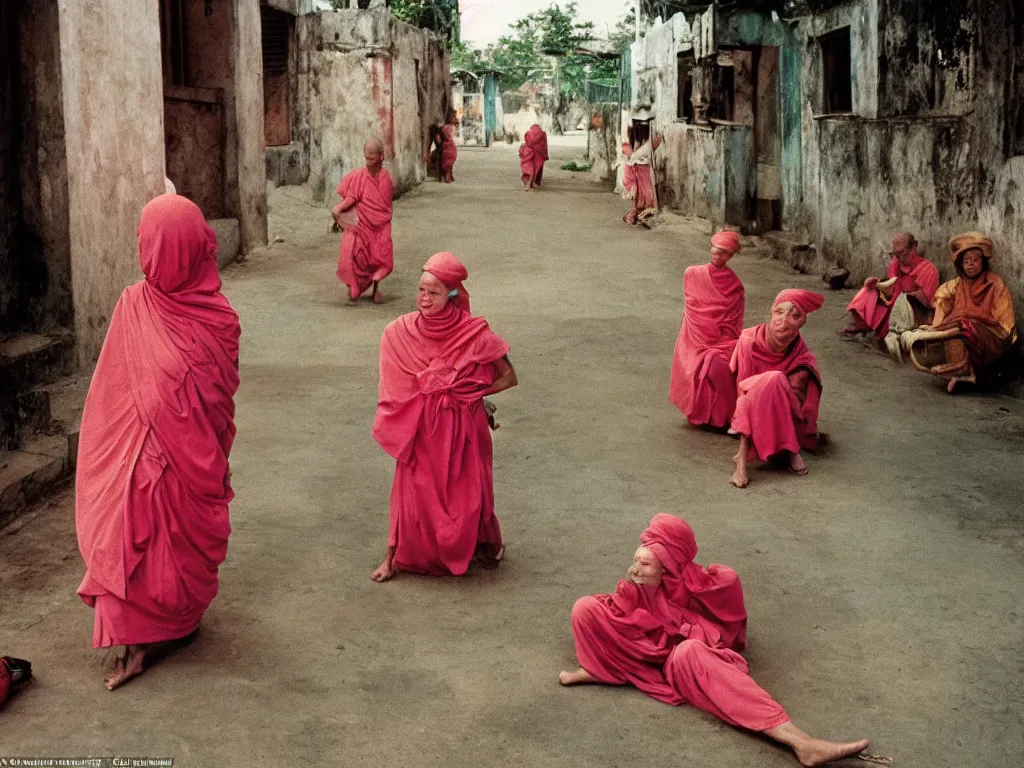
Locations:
column 373, row 153
column 374, row 145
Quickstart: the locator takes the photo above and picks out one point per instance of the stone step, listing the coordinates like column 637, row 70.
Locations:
column 44, row 463
column 34, row 359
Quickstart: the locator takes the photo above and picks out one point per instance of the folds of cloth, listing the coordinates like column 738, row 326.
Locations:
column 367, row 252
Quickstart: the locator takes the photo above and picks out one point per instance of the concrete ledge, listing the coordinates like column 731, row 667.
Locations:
column 287, row 166
column 44, row 463
column 228, row 240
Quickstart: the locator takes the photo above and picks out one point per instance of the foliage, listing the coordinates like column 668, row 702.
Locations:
column 440, row 16
column 577, row 167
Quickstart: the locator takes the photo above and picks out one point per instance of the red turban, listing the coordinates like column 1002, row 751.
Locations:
column 727, row 240
column 449, row 270
column 808, row 301
column 671, row 539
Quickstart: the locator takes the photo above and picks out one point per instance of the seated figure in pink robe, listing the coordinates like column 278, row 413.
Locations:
column 532, row 155
column 153, row 483
column 778, row 386
column 909, row 275
column 702, row 385
column 436, row 366
column 674, row 629
column 367, row 252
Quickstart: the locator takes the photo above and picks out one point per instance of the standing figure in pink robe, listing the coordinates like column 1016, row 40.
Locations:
column 532, row 155
column 674, row 630
column 639, row 180
column 779, row 388
column 153, row 482
column 436, row 366
column 449, row 150
column 909, row 275
column 367, row 252
column 702, row 385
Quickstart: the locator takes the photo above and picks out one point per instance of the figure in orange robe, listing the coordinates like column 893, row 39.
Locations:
column 367, row 252
column 702, row 385
column 909, row 275
column 974, row 311
column 436, row 366
column 153, row 482
column 532, row 155
column 779, row 387
column 674, row 629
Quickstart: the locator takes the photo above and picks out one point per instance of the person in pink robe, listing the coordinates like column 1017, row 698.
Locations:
column 449, row 150
column 367, row 251
column 674, row 629
column 532, row 155
column 153, row 482
column 436, row 366
column 779, row 388
column 909, row 274
column 638, row 175
column 702, row 385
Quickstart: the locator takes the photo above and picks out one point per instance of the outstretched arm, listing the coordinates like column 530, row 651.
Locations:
column 506, row 378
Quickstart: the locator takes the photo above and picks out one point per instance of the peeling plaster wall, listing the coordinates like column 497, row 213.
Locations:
column 357, row 79
column 113, row 102
column 249, row 193
column 692, row 158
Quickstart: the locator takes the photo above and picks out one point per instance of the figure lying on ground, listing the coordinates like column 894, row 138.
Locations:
column 674, row 630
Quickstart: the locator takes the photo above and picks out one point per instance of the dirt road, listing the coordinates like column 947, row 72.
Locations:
column 883, row 588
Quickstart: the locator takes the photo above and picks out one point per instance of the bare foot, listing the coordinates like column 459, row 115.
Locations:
column 578, row 677
column 816, row 752
column 951, row 386
column 796, row 464
column 383, row 573
column 739, row 476
column 378, row 298
column 126, row 667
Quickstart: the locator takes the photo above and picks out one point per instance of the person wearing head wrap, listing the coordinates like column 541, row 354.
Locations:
column 778, row 387
column 367, row 251
column 436, row 366
column 910, row 275
column 674, row 630
column 532, row 155
column 153, row 482
column 701, row 385
column 639, row 180
column 449, row 150
column 973, row 312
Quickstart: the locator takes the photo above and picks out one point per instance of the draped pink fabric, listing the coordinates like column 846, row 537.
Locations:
column 532, row 155
column 447, row 268
column 153, row 483
column 449, row 152
column 767, row 409
column 367, row 252
column 431, row 419
column 873, row 309
column 702, row 386
column 677, row 642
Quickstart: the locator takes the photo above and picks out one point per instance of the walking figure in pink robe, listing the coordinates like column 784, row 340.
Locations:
column 153, row 482
column 532, row 155
column 367, row 252
column 449, row 149
column 436, row 366
column 702, row 385
column 674, row 630
column 778, row 386
column 638, row 177
column 909, row 275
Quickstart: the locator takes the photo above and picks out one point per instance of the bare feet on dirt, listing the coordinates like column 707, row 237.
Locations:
column 817, row 752
column 739, row 476
column 579, row 677
column 126, row 666
column 796, row 464
column 383, row 573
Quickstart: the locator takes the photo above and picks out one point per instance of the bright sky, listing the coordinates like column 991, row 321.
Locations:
column 484, row 21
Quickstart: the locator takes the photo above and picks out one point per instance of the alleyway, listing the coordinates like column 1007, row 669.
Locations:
column 883, row 589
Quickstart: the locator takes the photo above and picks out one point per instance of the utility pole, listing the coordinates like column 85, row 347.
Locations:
column 590, row 108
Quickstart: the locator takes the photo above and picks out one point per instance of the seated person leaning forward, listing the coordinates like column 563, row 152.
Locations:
column 674, row 629
column 778, row 386
column 909, row 275
column 702, row 386
column 974, row 324
column 436, row 366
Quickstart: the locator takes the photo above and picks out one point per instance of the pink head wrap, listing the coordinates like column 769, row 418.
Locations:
column 177, row 248
column 449, row 270
column 727, row 240
column 808, row 301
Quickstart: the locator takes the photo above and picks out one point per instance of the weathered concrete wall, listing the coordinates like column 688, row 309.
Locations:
column 44, row 173
column 692, row 164
column 113, row 102
column 10, row 194
column 194, row 125
column 357, row 78
column 251, row 202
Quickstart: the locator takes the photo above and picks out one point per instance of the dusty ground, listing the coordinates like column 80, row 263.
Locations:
column 883, row 588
